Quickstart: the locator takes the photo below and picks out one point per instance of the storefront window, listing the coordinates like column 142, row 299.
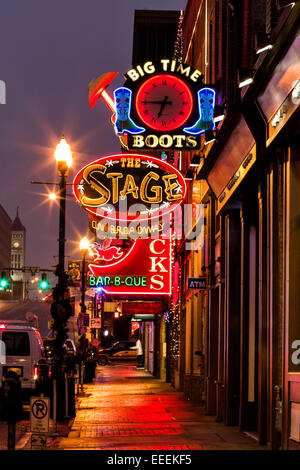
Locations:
column 282, row 82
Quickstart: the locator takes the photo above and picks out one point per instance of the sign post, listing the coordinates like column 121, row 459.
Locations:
column 39, row 421
column 95, row 323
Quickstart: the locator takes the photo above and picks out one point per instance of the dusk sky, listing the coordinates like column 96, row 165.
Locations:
column 49, row 51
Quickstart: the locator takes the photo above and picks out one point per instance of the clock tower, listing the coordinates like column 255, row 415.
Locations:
column 18, row 239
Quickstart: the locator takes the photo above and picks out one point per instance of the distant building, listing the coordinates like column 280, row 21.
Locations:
column 18, row 241
column 5, row 239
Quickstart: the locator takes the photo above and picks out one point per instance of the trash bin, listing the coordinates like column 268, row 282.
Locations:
column 89, row 370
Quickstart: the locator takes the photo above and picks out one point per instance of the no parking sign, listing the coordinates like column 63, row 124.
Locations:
column 39, row 414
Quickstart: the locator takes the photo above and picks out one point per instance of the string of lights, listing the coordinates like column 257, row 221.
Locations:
column 178, row 47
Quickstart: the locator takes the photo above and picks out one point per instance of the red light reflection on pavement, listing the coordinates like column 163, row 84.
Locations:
column 128, row 409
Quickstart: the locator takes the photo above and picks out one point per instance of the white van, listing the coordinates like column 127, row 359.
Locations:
column 21, row 347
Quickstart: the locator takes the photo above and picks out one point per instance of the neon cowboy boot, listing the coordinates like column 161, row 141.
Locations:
column 206, row 104
column 123, row 122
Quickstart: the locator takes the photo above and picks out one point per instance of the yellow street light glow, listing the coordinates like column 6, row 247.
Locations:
column 84, row 244
column 63, row 152
column 52, row 196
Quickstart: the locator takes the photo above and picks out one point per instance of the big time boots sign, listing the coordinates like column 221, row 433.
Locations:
column 162, row 105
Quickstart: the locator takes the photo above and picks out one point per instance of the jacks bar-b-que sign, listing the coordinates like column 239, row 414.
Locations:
column 129, row 187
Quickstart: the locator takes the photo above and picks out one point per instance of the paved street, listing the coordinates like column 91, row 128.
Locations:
column 128, row 409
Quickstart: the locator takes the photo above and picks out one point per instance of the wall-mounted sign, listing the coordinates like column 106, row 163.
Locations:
column 74, row 272
column 197, row 283
column 110, row 252
column 147, row 271
column 162, row 105
column 103, row 228
column 95, row 322
column 129, row 186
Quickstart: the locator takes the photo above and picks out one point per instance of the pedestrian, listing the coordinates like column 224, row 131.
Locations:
column 139, row 352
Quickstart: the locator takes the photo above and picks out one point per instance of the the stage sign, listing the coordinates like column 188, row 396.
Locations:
column 147, row 271
column 129, row 187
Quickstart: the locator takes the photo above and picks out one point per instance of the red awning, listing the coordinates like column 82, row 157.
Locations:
column 138, row 308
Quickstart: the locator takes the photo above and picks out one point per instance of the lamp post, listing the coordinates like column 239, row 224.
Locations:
column 61, row 308
column 63, row 156
column 84, row 246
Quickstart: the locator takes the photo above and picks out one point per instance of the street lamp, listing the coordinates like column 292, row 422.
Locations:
column 63, row 156
column 84, row 246
column 61, row 308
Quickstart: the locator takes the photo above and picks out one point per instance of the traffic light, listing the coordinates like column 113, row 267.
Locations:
column 4, row 283
column 44, row 284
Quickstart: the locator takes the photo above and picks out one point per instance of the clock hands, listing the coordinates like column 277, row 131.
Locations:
column 162, row 103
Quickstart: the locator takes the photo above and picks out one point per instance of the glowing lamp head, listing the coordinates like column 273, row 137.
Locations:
column 63, row 156
column 52, row 196
column 84, row 244
column 105, row 332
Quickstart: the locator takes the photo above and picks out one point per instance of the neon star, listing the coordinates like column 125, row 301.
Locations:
column 178, row 189
column 150, row 164
column 109, row 163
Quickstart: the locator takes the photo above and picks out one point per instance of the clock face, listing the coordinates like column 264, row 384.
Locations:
column 164, row 102
column 16, row 244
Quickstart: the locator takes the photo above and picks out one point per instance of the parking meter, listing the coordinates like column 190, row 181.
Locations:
column 56, row 369
column 42, row 383
column 69, row 364
column 12, row 397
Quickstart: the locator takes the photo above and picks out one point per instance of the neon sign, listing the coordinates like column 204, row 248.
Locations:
column 125, row 187
column 162, row 105
column 110, row 252
column 110, row 229
column 206, row 105
column 150, row 276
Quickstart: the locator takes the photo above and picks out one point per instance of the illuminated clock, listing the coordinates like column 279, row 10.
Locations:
column 164, row 102
column 16, row 244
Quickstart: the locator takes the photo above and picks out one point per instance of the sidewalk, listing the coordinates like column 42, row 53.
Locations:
column 128, row 409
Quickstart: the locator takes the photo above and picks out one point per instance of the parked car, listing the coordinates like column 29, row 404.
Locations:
column 68, row 345
column 21, row 348
column 119, row 351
